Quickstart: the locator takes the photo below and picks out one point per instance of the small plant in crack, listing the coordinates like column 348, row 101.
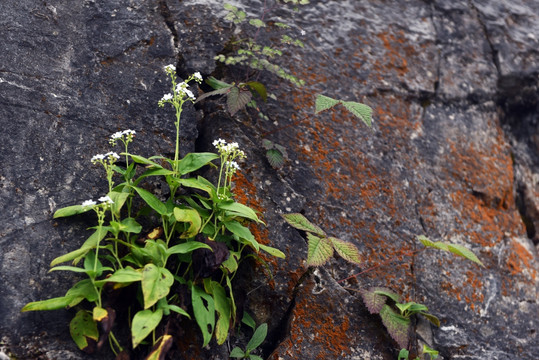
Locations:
column 159, row 259
column 256, row 340
column 320, row 246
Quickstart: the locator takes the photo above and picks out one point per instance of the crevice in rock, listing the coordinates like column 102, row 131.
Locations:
column 281, row 331
column 169, row 21
column 493, row 51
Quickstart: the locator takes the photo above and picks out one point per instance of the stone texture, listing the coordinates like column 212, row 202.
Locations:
column 453, row 155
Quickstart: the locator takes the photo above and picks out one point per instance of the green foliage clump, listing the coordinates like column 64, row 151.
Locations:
column 175, row 254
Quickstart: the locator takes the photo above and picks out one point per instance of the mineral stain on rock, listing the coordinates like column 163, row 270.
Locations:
column 452, row 155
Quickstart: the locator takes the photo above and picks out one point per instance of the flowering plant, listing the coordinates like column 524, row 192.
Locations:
column 183, row 263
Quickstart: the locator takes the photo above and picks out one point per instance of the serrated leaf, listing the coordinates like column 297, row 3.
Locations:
column 257, row 23
column 319, row 250
column 237, row 99
column 346, row 250
column 324, row 103
column 372, row 300
column 144, row 322
column 397, row 326
column 362, row 111
column 275, row 158
column 300, row 222
column 388, row 293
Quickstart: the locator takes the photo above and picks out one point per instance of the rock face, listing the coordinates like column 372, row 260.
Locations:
column 453, row 155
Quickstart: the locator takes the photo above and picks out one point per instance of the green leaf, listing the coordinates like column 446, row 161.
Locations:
column 68, row 268
column 142, row 160
column 403, row 354
column 319, row 250
column 427, row 350
column 89, row 244
column 243, row 233
column 99, row 313
column 217, row 84
column 238, row 209
column 222, row 307
column 273, row 251
column 71, row 210
column 257, row 23
column 152, row 200
column 346, row 250
column 300, row 222
column 204, row 310
column 84, row 289
column 259, row 88
column 194, row 161
column 453, row 248
column 187, row 247
column 237, row 353
column 258, row 338
column 324, row 102
column 198, row 183
column 190, row 216
column 179, row 310
column 397, row 326
column 131, row 225
column 49, row 304
column 164, row 346
column 237, row 99
column 275, row 158
column 118, row 199
column 248, row 320
column 388, row 293
column 156, row 283
column 144, row 322
column 362, row 111
column 125, row 275
column 433, row 319
column 464, row 252
column 83, row 330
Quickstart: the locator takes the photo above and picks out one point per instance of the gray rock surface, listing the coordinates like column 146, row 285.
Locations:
column 453, row 155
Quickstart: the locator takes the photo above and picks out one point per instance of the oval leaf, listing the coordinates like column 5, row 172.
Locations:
column 84, row 331
column 156, row 283
column 144, row 322
column 362, row 111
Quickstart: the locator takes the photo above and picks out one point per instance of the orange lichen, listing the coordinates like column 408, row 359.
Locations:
column 327, row 332
column 518, row 258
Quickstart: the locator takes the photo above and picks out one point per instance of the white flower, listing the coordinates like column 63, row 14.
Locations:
column 167, row 97
column 170, row 68
column 116, row 135
column 189, row 94
column 106, row 199
column 89, row 203
column 97, row 157
column 112, row 155
column 197, row 76
column 218, row 142
column 129, row 132
column 233, row 165
column 303, row 32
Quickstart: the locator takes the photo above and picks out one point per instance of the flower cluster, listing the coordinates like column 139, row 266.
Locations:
column 111, row 157
column 105, row 200
column 229, row 153
column 125, row 136
column 180, row 91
